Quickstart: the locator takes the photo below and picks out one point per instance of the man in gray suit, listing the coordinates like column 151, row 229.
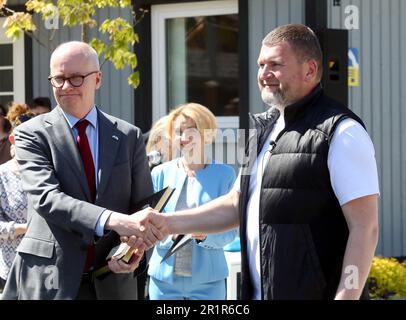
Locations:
column 81, row 181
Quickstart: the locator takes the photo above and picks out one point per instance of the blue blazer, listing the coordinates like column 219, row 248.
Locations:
column 208, row 260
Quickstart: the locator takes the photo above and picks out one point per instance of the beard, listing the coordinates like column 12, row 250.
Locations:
column 278, row 98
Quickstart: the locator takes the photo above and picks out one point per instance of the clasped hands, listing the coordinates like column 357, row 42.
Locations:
column 140, row 230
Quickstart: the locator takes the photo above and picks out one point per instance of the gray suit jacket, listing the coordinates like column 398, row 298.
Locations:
column 61, row 219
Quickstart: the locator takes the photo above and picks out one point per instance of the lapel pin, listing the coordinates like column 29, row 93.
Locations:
column 115, row 137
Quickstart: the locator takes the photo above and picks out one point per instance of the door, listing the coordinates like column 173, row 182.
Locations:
column 195, row 58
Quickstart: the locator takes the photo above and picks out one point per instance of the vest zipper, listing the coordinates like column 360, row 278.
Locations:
column 272, row 145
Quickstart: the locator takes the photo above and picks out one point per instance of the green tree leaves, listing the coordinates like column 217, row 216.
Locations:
column 118, row 48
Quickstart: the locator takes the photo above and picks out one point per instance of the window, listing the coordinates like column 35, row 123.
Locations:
column 195, row 58
column 12, row 77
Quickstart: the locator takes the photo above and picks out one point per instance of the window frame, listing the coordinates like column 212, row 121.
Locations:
column 18, row 67
column 159, row 14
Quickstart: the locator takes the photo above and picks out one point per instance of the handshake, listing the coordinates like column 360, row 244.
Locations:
column 141, row 231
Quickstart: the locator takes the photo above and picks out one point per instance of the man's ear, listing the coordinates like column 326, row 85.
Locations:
column 98, row 79
column 11, row 138
column 311, row 70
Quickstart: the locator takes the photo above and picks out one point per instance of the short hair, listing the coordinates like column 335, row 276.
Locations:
column 18, row 113
column 41, row 101
column 158, row 134
column 202, row 116
column 302, row 40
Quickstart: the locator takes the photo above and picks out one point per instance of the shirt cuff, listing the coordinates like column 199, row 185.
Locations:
column 101, row 222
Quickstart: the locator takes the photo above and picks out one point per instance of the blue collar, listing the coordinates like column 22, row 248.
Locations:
column 91, row 117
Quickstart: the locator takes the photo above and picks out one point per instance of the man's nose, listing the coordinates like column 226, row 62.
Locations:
column 67, row 85
column 264, row 73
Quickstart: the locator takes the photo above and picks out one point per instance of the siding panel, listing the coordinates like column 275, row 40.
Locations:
column 395, row 126
column 402, row 84
column 381, row 41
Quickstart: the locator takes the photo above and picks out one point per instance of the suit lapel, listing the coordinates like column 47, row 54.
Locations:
column 109, row 141
column 66, row 144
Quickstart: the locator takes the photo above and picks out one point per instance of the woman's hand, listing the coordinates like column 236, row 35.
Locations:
column 200, row 236
column 20, row 228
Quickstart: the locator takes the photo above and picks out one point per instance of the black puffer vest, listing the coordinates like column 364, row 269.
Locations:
column 302, row 230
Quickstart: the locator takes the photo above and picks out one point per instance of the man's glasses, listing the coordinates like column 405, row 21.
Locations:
column 75, row 81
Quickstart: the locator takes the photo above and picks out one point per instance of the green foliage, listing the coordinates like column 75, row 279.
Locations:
column 387, row 279
column 120, row 32
column 18, row 22
column 134, row 79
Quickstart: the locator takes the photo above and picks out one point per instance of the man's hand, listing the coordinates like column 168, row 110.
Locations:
column 157, row 224
column 119, row 266
column 159, row 221
column 143, row 224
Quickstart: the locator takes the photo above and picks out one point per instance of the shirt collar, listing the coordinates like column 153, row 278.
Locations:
column 91, row 117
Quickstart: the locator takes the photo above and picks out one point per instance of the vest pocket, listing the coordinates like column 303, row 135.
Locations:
column 313, row 259
column 290, row 269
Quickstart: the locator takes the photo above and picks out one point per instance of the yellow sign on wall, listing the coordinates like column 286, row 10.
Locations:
column 353, row 67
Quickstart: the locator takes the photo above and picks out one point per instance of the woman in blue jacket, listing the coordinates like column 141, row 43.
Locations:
column 199, row 269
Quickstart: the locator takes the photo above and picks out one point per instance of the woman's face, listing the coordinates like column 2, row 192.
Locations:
column 187, row 138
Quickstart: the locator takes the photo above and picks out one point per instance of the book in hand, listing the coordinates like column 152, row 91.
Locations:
column 180, row 241
column 111, row 246
column 122, row 251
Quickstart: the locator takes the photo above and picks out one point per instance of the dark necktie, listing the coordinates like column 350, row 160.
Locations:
column 87, row 159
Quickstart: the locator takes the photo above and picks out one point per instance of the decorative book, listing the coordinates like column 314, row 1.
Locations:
column 180, row 241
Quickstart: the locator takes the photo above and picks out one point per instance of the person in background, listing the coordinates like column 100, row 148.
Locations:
column 3, row 110
column 13, row 200
column 158, row 144
column 157, row 149
column 40, row 105
column 199, row 269
column 5, row 128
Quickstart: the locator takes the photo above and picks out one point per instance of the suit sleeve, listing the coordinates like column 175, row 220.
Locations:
column 141, row 175
column 40, row 181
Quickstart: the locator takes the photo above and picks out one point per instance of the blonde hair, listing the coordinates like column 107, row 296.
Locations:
column 158, row 139
column 202, row 116
column 15, row 111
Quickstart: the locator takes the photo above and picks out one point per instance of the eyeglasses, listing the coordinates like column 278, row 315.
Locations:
column 75, row 81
